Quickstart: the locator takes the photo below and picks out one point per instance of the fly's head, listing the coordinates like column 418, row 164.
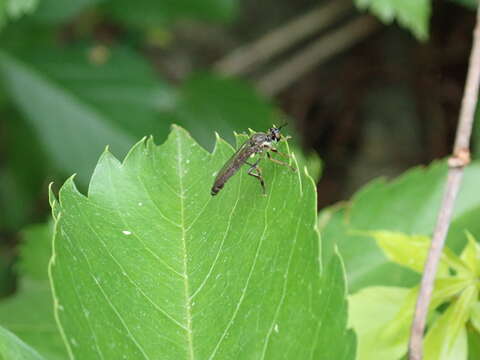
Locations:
column 274, row 133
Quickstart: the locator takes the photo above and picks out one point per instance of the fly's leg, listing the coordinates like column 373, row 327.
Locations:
column 257, row 174
column 278, row 161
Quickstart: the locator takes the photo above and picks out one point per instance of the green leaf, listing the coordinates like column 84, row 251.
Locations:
column 152, row 13
column 411, row 14
column 14, row 9
column 118, row 100
column 471, row 255
column 445, row 289
column 447, row 338
column 29, row 315
column 94, row 103
column 29, row 312
column 22, row 174
column 151, row 265
column 35, row 251
column 473, row 344
column 407, row 250
column 382, row 316
column 409, row 205
column 411, row 251
column 56, row 11
column 467, row 221
column 12, row 348
column 475, row 316
column 371, row 310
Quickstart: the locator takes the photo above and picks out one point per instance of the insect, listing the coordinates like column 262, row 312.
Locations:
column 259, row 143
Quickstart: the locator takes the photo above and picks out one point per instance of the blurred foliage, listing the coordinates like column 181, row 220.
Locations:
column 146, row 13
column 408, row 204
column 471, row 4
column 411, row 14
column 13, row 9
column 456, row 292
column 29, row 313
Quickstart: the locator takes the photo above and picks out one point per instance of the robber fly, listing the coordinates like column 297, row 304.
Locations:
column 259, row 143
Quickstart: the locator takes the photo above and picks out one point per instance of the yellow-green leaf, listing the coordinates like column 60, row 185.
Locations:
column 371, row 310
column 471, row 255
column 411, row 251
column 446, row 340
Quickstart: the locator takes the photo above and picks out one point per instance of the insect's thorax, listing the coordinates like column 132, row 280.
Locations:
column 261, row 141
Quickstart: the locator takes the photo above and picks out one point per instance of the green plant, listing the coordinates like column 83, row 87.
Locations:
column 453, row 310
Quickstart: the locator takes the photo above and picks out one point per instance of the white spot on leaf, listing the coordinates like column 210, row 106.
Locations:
column 126, row 232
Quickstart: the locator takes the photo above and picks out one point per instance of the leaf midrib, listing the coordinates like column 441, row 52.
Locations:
column 186, row 285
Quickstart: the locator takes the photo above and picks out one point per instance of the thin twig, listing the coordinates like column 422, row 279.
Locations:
column 244, row 58
column 322, row 49
column 460, row 158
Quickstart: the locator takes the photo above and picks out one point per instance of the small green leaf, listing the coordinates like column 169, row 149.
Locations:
column 467, row 221
column 447, row 339
column 475, row 316
column 407, row 250
column 411, row 14
column 151, row 265
column 473, row 344
column 382, row 316
column 411, row 251
column 444, row 290
column 12, row 348
column 471, row 255
column 371, row 310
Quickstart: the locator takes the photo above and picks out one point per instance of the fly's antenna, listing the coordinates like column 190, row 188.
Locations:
column 282, row 126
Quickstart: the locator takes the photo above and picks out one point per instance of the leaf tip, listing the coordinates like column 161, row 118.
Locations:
column 52, row 200
column 68, row 188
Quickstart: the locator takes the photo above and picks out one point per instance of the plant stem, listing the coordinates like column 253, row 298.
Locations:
column 460, row 158
column 245, row 58
column 322, row 49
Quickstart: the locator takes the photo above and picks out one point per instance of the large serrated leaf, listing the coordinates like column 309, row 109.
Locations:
column 150, row 265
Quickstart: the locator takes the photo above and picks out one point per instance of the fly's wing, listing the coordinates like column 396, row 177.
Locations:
column 235, row 161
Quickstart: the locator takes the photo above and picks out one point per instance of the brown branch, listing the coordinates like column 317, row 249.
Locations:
column 460, row 158
column 322, row 49
column 245, row 58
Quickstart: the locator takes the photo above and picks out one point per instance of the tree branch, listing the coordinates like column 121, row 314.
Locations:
column 460, row 158
column 286, row 73
column 245, row 58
